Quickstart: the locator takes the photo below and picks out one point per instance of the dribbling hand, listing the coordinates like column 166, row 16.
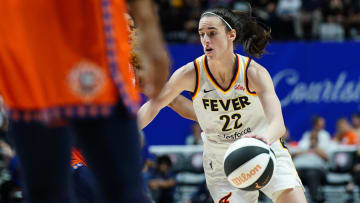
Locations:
column 259, row 137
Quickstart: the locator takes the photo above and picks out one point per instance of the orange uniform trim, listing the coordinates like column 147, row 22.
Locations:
column 115, row 37
column 212, row 79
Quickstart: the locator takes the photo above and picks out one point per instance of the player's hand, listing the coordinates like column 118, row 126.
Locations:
column 147, row 79
column 154, row 59
column 155, row 74
column 259, row 137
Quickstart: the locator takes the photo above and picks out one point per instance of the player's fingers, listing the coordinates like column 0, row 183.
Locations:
column 159, row 73
column 249, row 136
column 263, row 139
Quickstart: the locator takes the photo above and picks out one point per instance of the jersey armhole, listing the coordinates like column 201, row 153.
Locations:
column 253, row 93
column 197, row 81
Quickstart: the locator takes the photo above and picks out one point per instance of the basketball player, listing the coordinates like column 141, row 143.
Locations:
column 66, row 62
column 85, row 186
column 233, row 96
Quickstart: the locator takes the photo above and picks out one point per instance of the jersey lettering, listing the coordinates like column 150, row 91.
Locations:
column 237, row 103
column 214, row 105
column 225, row 106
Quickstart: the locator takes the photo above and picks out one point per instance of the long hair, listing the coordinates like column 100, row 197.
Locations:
column 251, row 34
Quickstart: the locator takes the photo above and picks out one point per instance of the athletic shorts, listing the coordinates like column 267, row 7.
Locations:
column 221, row 190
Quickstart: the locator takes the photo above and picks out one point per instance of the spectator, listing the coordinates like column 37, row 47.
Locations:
column 146, row 162
column 162, row 183
column 287, row 11
column 195, row 8
column 334, row 15
column 355, row 174
column 10, row 188
column 344, row 133
column 219, row 3
column 173, row 16
column 265, row 10
column 310, row 17
column 289, row 19
column 311, row 157
column 355, row 121
column 352, row 21
column 195, row 137
column 202, row 195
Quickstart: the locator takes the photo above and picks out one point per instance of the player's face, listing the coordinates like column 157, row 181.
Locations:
column 213, row 36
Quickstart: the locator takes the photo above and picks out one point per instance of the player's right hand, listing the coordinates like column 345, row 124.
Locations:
column 156, row 75
column 154, row 58
column 149, row 79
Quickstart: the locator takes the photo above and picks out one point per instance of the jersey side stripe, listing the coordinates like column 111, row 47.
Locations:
column 197, row 85
column 246, row 78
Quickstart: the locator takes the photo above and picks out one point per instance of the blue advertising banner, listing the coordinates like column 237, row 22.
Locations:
column 309, row 78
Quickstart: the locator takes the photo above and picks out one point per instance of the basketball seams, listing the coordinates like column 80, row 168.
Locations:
column 263, row 179
column 249, row 164
column 241, row 159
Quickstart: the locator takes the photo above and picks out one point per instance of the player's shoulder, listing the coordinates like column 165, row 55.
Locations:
column 256, row 71
column 187, row 68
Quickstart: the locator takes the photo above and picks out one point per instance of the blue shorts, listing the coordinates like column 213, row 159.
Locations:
column 85, row 186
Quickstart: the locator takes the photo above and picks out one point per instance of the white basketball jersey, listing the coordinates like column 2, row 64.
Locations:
column 226, row 114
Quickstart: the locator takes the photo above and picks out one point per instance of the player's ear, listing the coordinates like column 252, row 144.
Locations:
column 232, row 34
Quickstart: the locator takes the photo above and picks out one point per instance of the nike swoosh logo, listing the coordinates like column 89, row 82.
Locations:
column 206, row 91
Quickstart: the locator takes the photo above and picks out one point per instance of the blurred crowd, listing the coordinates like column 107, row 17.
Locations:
column 326, row 20
column 318, row 154
column 178, row 177
column 171, row 177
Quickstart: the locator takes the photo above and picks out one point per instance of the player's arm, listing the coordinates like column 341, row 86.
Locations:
column 182, row 79
column 180, row 104
column 260, row 81
column 154, row 57
column 184, row 107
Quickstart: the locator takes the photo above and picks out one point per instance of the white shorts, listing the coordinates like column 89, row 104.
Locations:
column 285, row 176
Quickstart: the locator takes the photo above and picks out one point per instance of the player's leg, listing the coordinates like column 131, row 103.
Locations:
column 44, row 155
column 85, row 187
column 293, row 195
column 285, row 185
column 112, row 150
column 220, row 189
column 228, row 193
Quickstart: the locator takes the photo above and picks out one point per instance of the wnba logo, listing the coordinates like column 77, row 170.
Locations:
column 226, row 198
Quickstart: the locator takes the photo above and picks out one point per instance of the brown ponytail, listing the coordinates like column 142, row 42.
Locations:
column 251, row 34
column 254, row 35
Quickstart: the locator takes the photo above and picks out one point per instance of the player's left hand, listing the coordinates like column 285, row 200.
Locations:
column 259, row 137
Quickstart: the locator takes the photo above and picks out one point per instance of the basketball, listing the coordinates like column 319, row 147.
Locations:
column 249, row 164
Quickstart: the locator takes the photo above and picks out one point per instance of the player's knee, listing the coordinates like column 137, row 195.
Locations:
column 294, row 195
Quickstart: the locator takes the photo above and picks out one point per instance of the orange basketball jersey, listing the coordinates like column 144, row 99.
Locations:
column 64, row 58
